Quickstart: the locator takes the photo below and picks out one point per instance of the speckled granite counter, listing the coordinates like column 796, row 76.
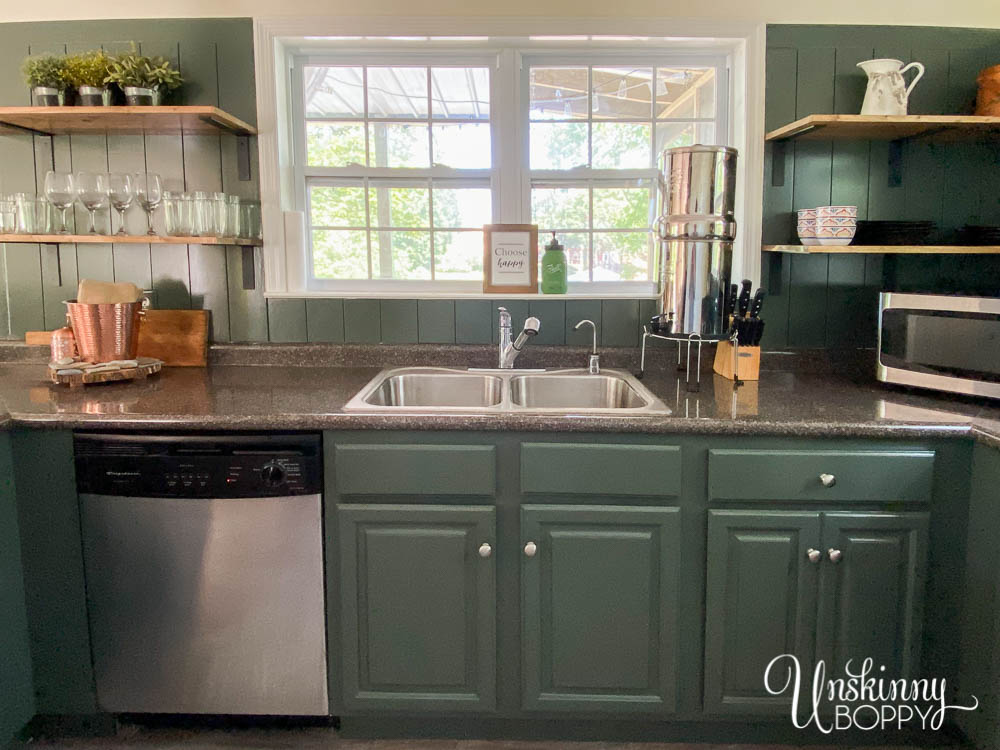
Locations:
column 798, row 395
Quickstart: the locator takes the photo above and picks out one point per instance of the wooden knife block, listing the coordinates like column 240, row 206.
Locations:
column 748, row 366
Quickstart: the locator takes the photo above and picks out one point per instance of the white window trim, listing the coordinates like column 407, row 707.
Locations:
column 276, row 39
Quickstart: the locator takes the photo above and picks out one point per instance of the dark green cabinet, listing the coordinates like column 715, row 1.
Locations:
column 599, row 608
column 760, row 602
column 418, row 607
column 17, row 702
column 871, row 600
column 830, row 586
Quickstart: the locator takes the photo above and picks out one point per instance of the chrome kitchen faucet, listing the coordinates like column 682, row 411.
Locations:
column 510, row 349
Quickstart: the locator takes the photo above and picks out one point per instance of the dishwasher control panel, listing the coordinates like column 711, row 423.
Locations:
column 210, row 466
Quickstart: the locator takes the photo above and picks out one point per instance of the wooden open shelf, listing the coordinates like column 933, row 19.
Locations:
column 887, row 128
column 885, row 249
column 194, row 120
column 127, row 239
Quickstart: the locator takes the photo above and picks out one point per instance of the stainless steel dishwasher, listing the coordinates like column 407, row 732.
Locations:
column 204, row 571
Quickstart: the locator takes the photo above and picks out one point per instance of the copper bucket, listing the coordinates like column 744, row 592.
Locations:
column 106, row 332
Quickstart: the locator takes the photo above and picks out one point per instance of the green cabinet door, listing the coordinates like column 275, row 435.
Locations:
column 418, row 607
column 760, row 603
column 872, row 591
column 599, row 608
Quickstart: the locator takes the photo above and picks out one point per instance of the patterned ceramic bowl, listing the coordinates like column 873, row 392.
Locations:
column 838, row 212
column 836, row 221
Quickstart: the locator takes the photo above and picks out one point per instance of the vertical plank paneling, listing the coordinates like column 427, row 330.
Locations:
column 436, row 321
column 399, row 321
column 362, row 321
column 247, row 307
column 325, row 320
column 210, row 286
column 473, row 321
column 287, row 320
column 552, row 315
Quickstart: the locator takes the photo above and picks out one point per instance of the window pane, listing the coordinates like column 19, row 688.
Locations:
column 558, row 145
column 397, row 92
column 465, row 146
column 458, row 255
column 402, row 255
column 399, row 206
column 622, row 256
column 577, row 253
column 333, row 92
column 685, row 92
column 560, row 208
column 624, row 93
column 460, row 92
column 558, row 93
column 340, row 254
column 398, row 145
column 621, row 145
column 469, row 208
column 335, row 144
column 621, row 208
column 673, row 134
column 337, row 207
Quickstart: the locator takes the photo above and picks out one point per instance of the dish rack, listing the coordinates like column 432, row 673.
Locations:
column 692, row 339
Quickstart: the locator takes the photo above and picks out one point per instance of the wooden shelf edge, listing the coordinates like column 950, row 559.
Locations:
column 812, row 123
column 130, row 239
column 21, row 119
column 884, row 249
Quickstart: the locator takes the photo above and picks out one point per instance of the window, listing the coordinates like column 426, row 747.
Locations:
column 401, row 157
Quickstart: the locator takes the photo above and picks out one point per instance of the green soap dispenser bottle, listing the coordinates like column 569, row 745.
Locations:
column 554, row 268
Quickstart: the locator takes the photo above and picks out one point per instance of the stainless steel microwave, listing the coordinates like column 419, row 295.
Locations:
column 940, row 342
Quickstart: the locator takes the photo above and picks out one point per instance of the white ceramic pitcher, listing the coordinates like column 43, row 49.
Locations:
column 887, row 92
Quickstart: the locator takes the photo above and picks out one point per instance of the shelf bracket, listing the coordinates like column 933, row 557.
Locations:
column 22, row 129
column 778, row 149
column 895, row 169
column 249, row 270
column 243, row 157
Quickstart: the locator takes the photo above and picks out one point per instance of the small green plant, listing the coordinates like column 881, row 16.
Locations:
column 134, row 69
column 87, row 69
column 45, row 70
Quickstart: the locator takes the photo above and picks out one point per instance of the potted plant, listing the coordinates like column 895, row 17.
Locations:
column 86, row 72
column 46, row 76
column 143, row 79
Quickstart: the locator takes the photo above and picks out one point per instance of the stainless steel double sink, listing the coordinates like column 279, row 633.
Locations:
column 453, row 390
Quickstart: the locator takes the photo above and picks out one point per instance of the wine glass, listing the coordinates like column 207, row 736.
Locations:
column 149, row 193
column 122, row 195
column 93, row 191
column 60, row 191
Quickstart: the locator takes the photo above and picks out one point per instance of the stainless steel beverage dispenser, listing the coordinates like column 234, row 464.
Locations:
column 696, row 229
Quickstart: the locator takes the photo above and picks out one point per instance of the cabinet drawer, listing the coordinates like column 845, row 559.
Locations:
column 862, row 476
column 565, row 468
column 415, row 469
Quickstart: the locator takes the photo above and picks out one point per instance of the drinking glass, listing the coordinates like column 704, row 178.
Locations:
column 32, row 214
column 93, row 191
column 220, row 208
column 122, row 195
column 7, row 214
column 233, row 216
column 203, row 224
column 60, row 191
column 149, row 193
column 177, row 213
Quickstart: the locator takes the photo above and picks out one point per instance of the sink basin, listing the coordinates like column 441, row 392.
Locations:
column 447, row 390
column 436, row 389
column 558, row 391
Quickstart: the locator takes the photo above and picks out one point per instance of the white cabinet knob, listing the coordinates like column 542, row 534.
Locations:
column 835, row 555
column 814, row 555
column 530, row 549
column 827, row 480
column 485, row 550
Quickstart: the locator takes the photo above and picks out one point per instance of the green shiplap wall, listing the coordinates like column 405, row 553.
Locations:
column 216, row 58
column 445, row 321
column 832, row 300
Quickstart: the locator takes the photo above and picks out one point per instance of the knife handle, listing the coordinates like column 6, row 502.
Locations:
column 758, row 303
column 745, row 297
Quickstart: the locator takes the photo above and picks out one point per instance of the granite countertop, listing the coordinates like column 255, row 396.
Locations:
column 306, row 387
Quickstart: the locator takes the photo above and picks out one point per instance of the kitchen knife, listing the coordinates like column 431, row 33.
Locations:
column 757, row 303
column 734, row 293
column 745, row 297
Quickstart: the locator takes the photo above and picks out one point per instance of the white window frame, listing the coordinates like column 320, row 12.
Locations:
column 280, row 40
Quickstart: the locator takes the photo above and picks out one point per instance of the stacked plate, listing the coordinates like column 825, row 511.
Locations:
column 977, row 234
column 827, row 225
column 895, row 232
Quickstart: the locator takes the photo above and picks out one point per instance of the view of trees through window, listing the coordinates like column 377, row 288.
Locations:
column 399, row 165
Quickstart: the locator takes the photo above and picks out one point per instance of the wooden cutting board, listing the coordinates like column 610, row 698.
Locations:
column 177, row 337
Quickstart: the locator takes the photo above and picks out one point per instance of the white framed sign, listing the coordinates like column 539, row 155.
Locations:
column 510, row 258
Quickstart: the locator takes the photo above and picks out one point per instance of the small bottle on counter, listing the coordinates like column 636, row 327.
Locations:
column 63, row 345
column 554, row 271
